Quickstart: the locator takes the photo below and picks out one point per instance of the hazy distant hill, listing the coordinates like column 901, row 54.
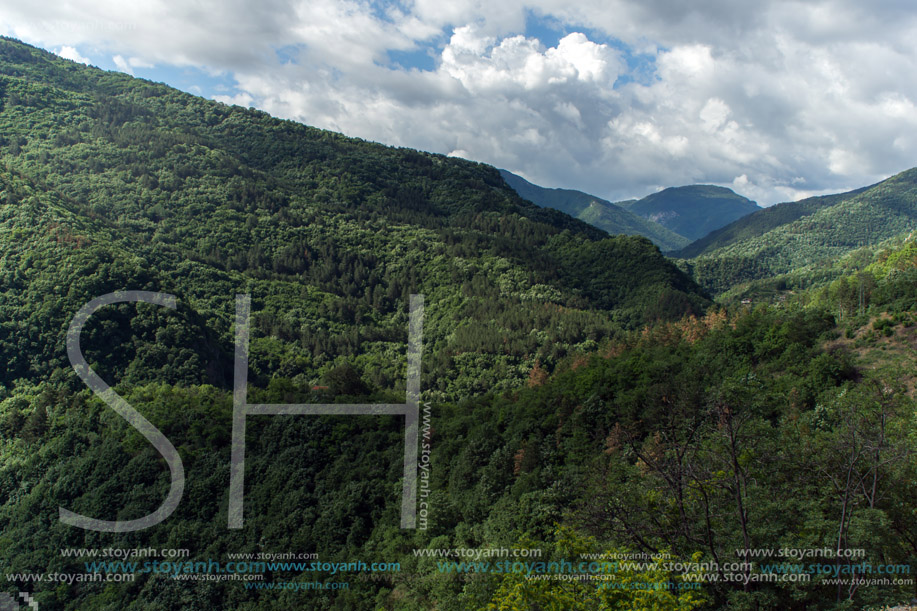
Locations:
column 694, row 210
column 806, row 233
column 596, row 211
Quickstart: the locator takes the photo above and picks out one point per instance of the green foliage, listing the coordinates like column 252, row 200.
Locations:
column 343, row 380
column 614, row 587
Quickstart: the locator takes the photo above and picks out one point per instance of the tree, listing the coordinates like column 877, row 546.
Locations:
column 36, row 425
column 344, row 380
column 617, row 585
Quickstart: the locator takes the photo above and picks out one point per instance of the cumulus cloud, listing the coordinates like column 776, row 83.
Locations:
column 519, row 63
column 778, row 99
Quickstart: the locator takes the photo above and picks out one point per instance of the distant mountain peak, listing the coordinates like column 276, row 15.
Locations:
column 596, row 211
column 693, row 210
column 812, row 232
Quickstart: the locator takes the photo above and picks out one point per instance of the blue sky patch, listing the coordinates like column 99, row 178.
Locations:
column 289, row 54
column 423, row 58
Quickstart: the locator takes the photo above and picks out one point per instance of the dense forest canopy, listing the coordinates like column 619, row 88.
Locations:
column 208, row 200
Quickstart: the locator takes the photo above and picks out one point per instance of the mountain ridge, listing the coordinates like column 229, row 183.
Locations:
column 596, row 211
column 810, row 233
column 217, row 199
column 762, row 221
column 692, row 210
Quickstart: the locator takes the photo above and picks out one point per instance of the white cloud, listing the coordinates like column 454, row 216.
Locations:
column 714, row 114
column 518, row 63
column 123, row 64
column 589, row 61
column 752, row 96
column 241, row 99
column 68, row 52
column 136, row 62
column 128, row 65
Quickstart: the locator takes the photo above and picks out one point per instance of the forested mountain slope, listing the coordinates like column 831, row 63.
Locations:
column 760, row 222
column 825, row 230
column 580, row 395
column 329, row 234
column 110, row 183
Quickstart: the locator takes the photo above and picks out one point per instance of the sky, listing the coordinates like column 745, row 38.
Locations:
column 775, row 99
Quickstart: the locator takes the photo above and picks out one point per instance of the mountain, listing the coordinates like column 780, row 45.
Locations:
column 595, row 211
column 692, row 211
column 760, row 222
column 807, row 234
column 110, row 183
column 212, row 199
